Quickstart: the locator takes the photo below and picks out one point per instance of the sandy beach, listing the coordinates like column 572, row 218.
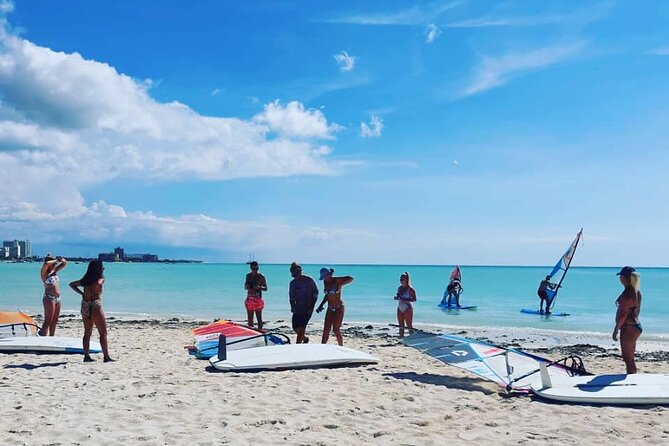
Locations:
column 156, row 394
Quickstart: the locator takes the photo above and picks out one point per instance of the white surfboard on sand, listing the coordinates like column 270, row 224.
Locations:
column 290, row 356
column 46, row 344
column 641, row 388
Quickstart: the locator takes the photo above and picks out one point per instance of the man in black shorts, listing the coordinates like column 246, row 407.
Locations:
column 544, row 287
column 303, row 294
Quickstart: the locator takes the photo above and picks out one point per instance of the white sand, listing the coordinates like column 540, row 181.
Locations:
column 156, row 394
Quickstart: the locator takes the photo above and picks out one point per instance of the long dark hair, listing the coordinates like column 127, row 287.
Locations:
column 93, row 273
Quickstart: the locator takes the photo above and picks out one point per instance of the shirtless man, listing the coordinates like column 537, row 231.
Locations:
column 303, row 294
column 255, row 284
column 335, row 312
column 627, row 316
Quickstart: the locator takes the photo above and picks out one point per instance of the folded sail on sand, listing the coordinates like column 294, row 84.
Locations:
column 510, row 368
column 16, row 323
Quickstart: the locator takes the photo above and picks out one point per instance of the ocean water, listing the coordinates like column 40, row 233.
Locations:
column 211, row 290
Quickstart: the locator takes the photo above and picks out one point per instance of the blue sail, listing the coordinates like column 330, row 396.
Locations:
column 563, row 265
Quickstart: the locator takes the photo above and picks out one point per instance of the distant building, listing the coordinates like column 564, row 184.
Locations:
column 141, row 258
column 25, row 248
column 107, row 257
column 119, row 255
column 15, row 249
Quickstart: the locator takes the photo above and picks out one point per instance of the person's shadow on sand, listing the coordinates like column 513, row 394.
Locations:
column 27, row 366
column 462, row 383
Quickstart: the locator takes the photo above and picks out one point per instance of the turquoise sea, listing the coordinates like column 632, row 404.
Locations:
column 211, row 290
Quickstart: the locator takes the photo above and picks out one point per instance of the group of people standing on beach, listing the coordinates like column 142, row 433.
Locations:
column 303, row 296
column 89, row 287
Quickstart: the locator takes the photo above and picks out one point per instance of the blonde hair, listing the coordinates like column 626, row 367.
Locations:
column 633, row 280
column 406, row 274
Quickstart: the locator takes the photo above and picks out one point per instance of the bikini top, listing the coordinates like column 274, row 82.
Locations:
column 331, row 291
column 52, row 280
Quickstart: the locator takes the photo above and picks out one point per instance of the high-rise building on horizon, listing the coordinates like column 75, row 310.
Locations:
column 15, row 249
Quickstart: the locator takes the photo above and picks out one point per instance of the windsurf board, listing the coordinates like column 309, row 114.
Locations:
column 290, row 356
column 537, row 313
column 46, row 344
column 641, row 388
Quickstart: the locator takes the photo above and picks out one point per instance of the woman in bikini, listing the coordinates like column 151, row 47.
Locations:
column 51, row 299
column 405, row 295
column 91, row 307
column 335, row 312
column 627, row 316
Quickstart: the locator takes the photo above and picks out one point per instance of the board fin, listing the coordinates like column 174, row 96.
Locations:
column 545, row 377
column 222, row 348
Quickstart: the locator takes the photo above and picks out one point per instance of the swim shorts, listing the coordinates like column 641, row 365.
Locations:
column 301, row 320
column 254, row 303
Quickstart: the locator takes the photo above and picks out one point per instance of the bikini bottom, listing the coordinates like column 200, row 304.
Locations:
column 89, row 306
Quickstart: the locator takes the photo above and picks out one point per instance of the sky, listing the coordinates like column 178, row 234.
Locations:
column 439, row 132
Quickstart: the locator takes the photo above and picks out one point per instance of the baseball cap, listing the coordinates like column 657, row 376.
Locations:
column 324, row 273
column 626, row 271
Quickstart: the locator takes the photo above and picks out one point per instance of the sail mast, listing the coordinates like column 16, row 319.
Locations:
column 568, row 264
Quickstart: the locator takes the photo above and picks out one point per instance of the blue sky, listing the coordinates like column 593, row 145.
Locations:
column 360, row 132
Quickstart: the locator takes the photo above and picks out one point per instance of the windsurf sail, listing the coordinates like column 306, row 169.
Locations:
column 238, row 336
column 456, row 274
column 510, row 368
column 561, row 268
column 16, row 323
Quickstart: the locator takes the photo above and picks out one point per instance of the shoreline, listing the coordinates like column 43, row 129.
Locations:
column 512, row 337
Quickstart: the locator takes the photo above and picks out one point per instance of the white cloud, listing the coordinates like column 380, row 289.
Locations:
column 295, row 121
column 496, row 71
column 662, row 51
column 431, row 33
column 584, row 16
column 103, row 224
column 216, row 91
column 520, row 21
column 374, row 129
column 416, row 15
column 68, row 123
column 345, row 62
column 6, row 6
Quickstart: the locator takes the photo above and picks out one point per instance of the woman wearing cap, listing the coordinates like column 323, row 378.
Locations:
column 335, row 313
column 405, row 295
column 51, row 299
column 255, row 284
column 627, row 316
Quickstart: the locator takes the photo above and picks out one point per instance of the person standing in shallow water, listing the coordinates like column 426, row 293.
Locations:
column 332, row 295
column 91, row 307
column 255, row 284
column 627, row 316
column 543, row 292
column 303, row 294
column 51, row 299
